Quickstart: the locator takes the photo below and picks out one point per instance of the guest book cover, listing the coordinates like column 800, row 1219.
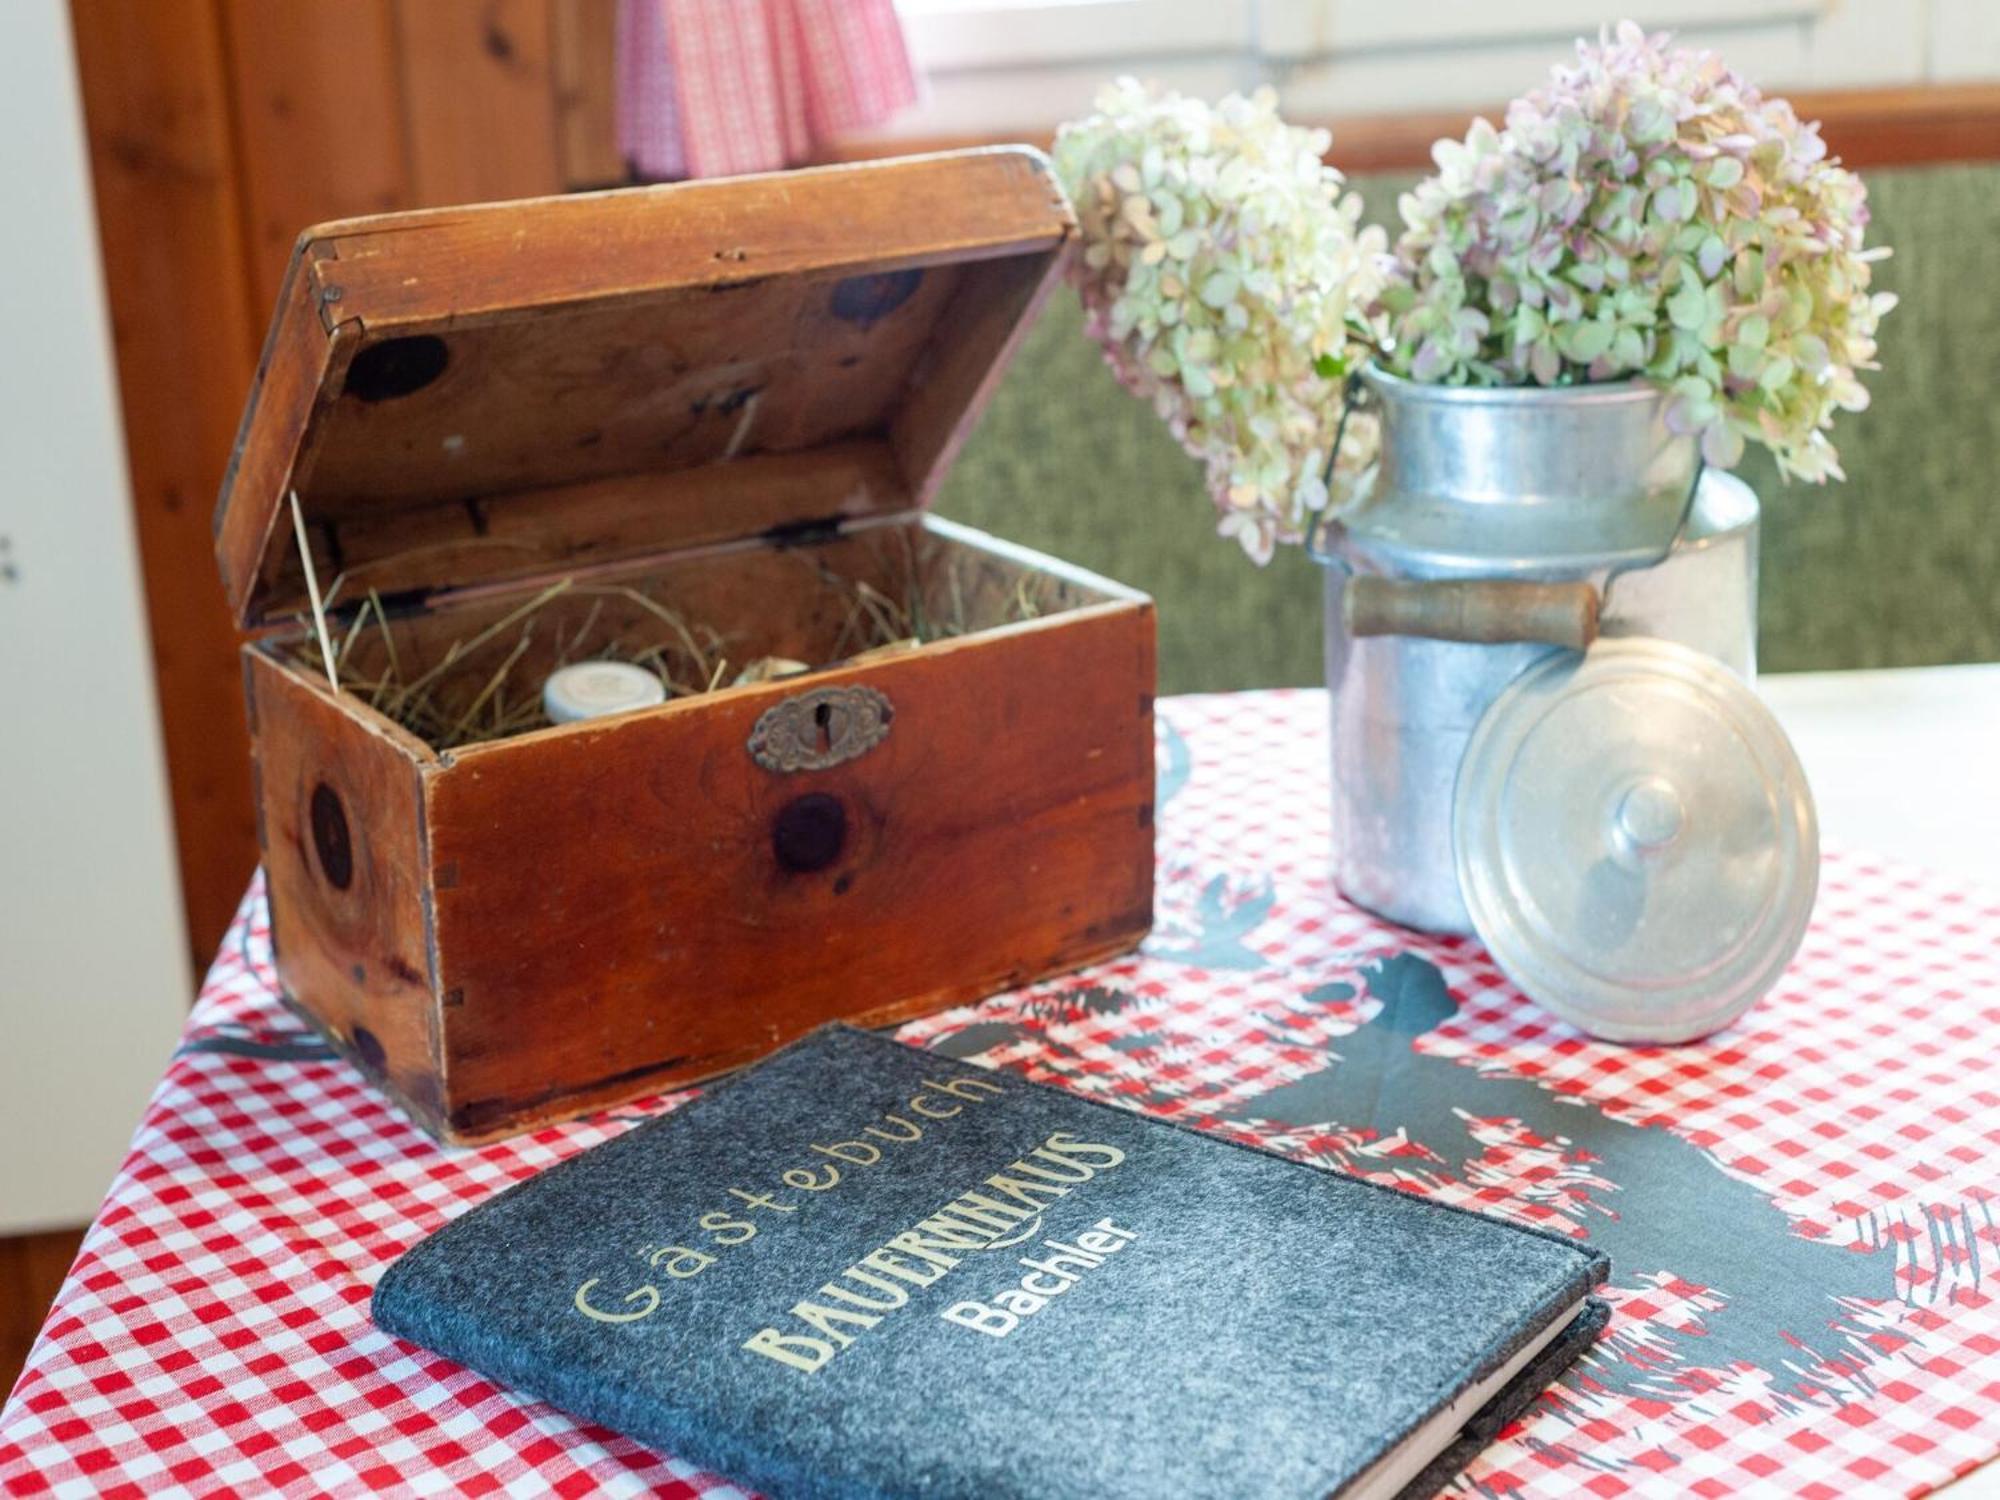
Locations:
column 861, row 1269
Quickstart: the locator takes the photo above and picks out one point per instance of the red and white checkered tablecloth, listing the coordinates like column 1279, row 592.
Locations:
column 1800, row 1211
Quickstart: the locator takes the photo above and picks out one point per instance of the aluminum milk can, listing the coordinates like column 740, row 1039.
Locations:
column 1632, row 838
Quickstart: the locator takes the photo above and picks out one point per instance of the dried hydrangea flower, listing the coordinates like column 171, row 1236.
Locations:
column 1223, row 271
column 1647, row 213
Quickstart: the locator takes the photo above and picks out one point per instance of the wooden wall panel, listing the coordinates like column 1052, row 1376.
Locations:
column 32, row 1270
column 318, row 111
column 218, row 130
column 585, row 41
column 478, row 99
column 155, row 91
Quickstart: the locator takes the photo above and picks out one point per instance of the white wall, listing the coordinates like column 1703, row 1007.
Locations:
column 995, row 65
column 93, row 974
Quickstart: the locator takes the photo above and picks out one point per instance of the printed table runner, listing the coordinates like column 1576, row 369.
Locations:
column 1799, row 1212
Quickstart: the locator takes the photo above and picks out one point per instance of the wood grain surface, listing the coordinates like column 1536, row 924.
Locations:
column 479, row 98
column 1000, row 833
column 423, row 363
column 341, row 815
column 32, row 1268
column 315, row 141
column 518, row 931
column 168, row 189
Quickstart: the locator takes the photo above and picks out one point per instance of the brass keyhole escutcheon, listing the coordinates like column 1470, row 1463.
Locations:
column 821, row 727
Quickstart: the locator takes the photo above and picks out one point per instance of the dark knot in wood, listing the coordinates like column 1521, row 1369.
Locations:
column 331, row 840
column 396, row 367
column 809, row 832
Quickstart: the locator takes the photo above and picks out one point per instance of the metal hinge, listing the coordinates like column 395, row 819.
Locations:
column 804, row 533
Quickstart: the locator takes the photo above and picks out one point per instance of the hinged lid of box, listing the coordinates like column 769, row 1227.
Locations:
column 470, row 395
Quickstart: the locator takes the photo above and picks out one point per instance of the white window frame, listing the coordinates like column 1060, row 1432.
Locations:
column 1020, row 65
column 954, row 36
column 970, row 36
column 1296, row 30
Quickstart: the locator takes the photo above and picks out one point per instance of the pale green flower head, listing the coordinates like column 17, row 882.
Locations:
column 1224, row 272
column 1651, row 214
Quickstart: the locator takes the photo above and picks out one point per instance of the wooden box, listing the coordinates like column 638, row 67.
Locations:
column 726, row 403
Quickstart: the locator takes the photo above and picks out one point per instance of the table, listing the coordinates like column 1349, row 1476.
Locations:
column 1903, row 762
column 1800, row 1211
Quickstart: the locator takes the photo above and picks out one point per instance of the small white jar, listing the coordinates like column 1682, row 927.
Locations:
column 592, row 689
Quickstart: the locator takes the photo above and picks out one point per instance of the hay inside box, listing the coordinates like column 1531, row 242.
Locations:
column 695, row 426
column 470, row 675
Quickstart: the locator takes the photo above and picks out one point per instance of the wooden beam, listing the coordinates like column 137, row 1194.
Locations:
column 164, row 168
column 1864, row 127
column 1908, row 127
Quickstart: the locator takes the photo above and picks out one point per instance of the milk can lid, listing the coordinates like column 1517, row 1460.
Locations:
column 1635, row 840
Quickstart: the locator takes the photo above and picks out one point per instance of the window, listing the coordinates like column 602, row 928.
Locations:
column 970, row 35
column 1019, row 66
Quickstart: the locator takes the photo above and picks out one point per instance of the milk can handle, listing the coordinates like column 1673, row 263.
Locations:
column 1486, row 611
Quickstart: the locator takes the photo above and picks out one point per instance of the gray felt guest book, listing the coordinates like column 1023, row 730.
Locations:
column 862, row 1269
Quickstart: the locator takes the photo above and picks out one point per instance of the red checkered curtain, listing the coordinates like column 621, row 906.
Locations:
column 710, row 88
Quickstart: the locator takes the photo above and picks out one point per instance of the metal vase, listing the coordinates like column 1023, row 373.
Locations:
column 1581, row 483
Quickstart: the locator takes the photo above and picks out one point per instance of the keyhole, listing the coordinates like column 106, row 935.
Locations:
column 823, row 717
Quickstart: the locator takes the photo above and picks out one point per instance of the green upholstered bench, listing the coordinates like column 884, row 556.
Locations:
column 1898, row 566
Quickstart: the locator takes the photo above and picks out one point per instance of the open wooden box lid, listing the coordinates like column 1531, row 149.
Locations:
column 476, row 395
